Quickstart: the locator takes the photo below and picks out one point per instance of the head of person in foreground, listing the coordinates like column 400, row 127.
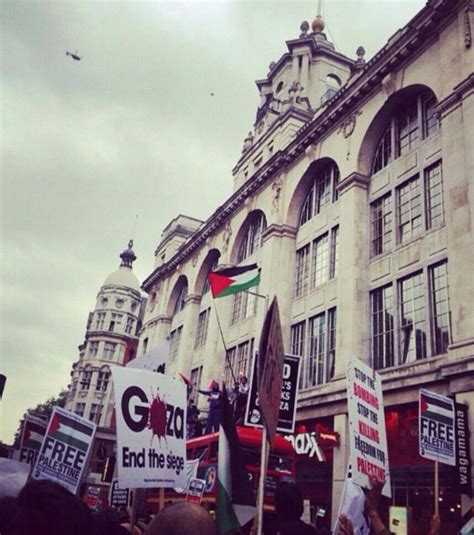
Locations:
column 182, row 518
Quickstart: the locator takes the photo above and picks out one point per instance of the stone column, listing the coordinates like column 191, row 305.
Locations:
column 294, row 69
column 188, row 335
column 305, row 74
column 352, row 332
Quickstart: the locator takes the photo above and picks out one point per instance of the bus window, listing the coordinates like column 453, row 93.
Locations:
column 251, row 456
column 213, row 452
column 281, row 462
column 198, row 453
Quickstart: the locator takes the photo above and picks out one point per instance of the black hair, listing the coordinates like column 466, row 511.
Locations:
column 288, row 501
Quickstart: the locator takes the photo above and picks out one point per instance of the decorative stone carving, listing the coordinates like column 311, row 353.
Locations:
column 276, row 188
column 467, row 28
column 194, row 261
column 248, row 142
column 248, row 203
column 304, row 27
column 360, row 62
column 311, row 152
column 226, row 236
column 389, row 83
column 349, row 124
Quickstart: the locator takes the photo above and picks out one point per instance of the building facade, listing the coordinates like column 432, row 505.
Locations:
column 354, row 194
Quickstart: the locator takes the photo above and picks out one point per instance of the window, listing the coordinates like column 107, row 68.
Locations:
column 109, row 350
column 181, row 300
column 319, row 357
column 115, row 322
column 93, row 348
column 203, row 323
column 382, row 323
column 409, row 208
column 381, row 225
column 252, row 240
column 207, row 284
column 86, row 379
column 238, row 357
column 320, row 260
column 129, row 326
column 175, row 338
column 99, row 322
column 322, row 192
column 102, row 381
column 95, row 413
column 302, row 271
column 440, row 307
column 80, row 408
column 412, row 330
column 334, row 253
column 414, row 120
column 145, row 345
column 196, row 376
column 244, row 306
column 434, row 196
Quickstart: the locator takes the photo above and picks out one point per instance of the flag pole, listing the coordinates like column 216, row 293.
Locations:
column 436, row 491
column 223, row 340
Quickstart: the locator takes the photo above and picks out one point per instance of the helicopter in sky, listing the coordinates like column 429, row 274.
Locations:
column 74, row 56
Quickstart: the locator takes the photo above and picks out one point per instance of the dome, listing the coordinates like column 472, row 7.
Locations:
column 123, row 276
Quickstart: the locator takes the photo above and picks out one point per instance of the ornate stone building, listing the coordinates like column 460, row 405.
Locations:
column 354, row 195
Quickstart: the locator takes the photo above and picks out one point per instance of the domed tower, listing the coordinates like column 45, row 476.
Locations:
column 110, row 339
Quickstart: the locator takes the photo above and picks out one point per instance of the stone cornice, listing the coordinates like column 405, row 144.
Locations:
column 407, row 42
column 279, row 231
column 455, row 98
column 193, row 299
column 353, row 180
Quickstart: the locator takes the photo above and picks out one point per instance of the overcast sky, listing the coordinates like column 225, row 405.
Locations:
column 132, row 129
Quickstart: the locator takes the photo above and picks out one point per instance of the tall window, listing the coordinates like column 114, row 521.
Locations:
column 322, row 192
column 434, row 196
column 80, row 408
column 382, row 322
column 207, row 284
column 95, row 413
column 302, row 271
column 252, row 240
column 129, row 326
column 99, row 322
column 319, row 356
column 196, row 376
column 115, row 322
column 414, row 120
column 412, row 318
column 440, row 307
column 102, row 381
column 109, row 350
column 175, row 339
column 381, row 225
column 203, row 323
column 86, row 379
column 334, row 252
column 409, row 210
column 239, row 358
column 244, row 306
column 320, row 260
column 181, row 300
column 93, row 348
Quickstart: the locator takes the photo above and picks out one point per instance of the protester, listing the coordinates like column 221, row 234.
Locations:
column 182, row 518
column 241, row 401
column 46, row 508
column 192, row 414
column 107, row 522
column 289, row 508
column 214, row 416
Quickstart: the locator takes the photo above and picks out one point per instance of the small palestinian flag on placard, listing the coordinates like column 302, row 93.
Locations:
column 33, row 433
column 70, row 431
column 232, row 280
column 436, row 408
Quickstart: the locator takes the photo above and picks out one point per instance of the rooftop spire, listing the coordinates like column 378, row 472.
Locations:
column 318, row 23
column 128, row 256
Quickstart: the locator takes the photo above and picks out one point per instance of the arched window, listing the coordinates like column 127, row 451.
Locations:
column 252, row 240
column 323, row 191
column 413, row 121
column 181, row 299
column 207, row 284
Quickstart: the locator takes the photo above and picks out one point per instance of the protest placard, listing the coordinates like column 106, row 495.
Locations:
column 288, row 396
column 118, row 497
column 92, row 498
column 151, row 429
column 195, row 490
column 32, row 435
column 65, row 449
column 436, row 432
column 367, row 435
column 153, row 360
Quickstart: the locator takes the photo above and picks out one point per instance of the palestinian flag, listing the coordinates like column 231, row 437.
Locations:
column 232, row 280
column 235, row 498
column 436, row 407
column 70, row 430
column 33, row 433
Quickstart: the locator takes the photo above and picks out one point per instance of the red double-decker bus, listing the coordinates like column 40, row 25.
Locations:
column 281, row 465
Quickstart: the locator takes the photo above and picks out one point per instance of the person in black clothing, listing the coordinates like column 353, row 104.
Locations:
column 191, row 419
column 289, row 508
column 214, row 416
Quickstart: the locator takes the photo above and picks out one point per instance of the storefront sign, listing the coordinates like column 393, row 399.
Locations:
column 151, row 424
column 312, row 444
column 437, row 439
column 196, row 490
column 463, row 452
column 65, row 449
column 288, row 396
column 118, row 497
column 270, row 369
column 32, row 436
column 368, row 439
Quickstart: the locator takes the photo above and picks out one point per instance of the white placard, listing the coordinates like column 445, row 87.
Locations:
column 151, row 429
column 436, row 420
column 65, row 449
column 368, row 438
